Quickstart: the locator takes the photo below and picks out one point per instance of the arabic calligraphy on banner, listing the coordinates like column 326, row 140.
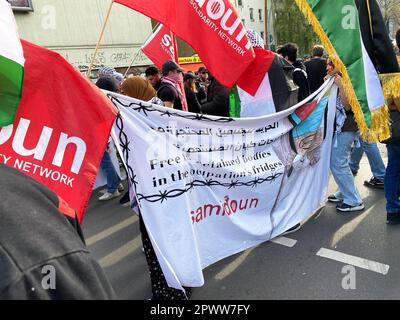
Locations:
column 209, row 187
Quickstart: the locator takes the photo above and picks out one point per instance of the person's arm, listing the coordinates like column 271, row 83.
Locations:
column 193, row 103
column 342, row 93
column 169, row 104
column 221, row 98
column 301, row 81
column 167, row 96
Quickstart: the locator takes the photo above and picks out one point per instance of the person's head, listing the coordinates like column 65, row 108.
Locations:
column 289, row 52
column 203, row 74
column 189, row 79
column 318, row 51
column 398, row 38
column 106, row 72
column 138, row 88
column 172, row 70
column 108, row 83
column 110, row 72
column 153, row 75
column 331, row 68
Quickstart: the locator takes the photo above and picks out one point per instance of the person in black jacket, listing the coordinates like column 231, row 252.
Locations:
column 43, row 255
column 316, row 68
column 191, row 93
column 217, row 99
column 289, row 52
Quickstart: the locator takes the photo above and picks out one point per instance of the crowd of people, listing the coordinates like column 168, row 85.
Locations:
column 204, row 94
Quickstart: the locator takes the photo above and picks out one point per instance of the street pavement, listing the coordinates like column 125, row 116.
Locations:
column 333, row 256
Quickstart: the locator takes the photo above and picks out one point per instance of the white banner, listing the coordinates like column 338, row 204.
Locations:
column 211, row 187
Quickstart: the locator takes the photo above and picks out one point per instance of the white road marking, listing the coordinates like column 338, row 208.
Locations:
column 287, row 242
column 354, row 261
column 121, row 253
column 110, row 231
column 230, row 268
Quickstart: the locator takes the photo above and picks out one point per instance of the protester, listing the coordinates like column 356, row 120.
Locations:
column 289, row 52
column 153, row 75
column 40, row 234
column 346, row 133
column 141, row 89
column 190, row 92
column 114, row 186
column 105, row 72
column 316, row 68
column 170, row 91
column 392, row 178
column 375, row 161
column 138, row 88
column 217, row 99
column 202, row 85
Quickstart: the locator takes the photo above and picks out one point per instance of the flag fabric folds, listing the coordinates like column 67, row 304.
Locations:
column 212, row 28
column 338, row 25
column 160, row 47
column 61, row 128
column 11, row 65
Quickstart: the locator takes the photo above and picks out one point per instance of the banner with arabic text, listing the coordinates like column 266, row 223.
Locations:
column 210, row 187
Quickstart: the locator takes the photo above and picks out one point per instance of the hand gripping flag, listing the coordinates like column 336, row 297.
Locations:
column 342, row 32
column 212, row 27
column 11, row 65
column 61, row 128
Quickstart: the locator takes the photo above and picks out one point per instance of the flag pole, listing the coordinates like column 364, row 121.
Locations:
column 184, row 101
column 99, row 40
column 266, row 26
column 134, row 59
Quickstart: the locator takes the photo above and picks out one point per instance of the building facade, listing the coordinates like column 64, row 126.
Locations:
column 254, row 16
column 72, row 28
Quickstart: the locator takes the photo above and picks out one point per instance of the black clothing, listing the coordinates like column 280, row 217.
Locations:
column 316, row 72
column 350, row 124
column 217, row 100
column 201, row 92
column 284, row 91
column 159, row 286
column 168, row 92
column 157, row 86
column 34, row 234
column 376, row 42
column 300, row 79
column 192, row 102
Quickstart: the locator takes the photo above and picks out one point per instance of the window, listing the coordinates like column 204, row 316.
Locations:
column 251, row 14
column 240, row 3
column 260, row 14
column 262, row 34
column 21, row 5
column 244, row 22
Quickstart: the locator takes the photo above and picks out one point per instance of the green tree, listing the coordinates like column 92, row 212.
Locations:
column 291, row 26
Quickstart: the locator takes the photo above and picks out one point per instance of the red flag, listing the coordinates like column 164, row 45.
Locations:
column 212, row 27
column 61, row 129
column 160, row 47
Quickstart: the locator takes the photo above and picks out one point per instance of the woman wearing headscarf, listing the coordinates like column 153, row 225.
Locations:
column 141, row 89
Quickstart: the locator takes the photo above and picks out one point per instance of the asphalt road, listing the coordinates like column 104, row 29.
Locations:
column 333, row 256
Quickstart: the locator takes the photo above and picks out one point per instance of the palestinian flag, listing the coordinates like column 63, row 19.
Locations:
column 379, row 46
column 265, row 88
column 11, row 65
column 337, row 24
